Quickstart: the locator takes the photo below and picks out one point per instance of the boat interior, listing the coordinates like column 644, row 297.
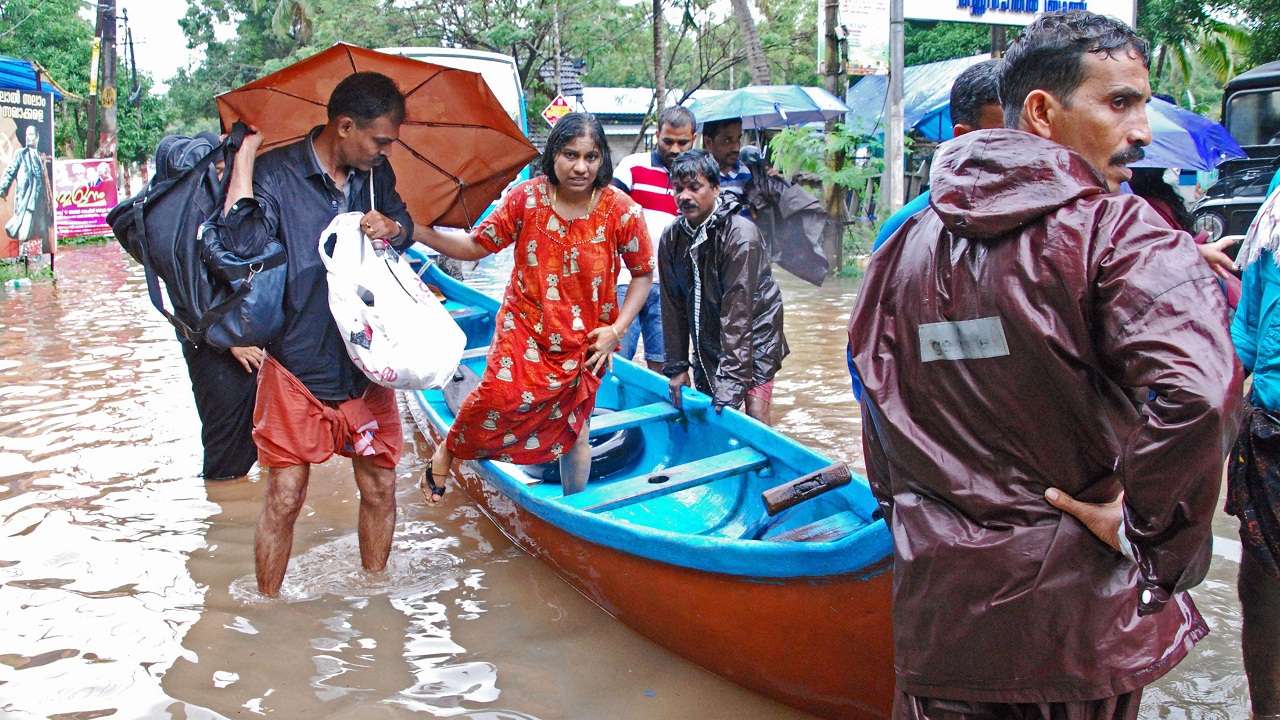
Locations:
column 692, row 472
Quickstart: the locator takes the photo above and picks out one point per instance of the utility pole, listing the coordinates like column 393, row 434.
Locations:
column 832, row 76
column 91, row 137
column 555, row 34
column 108, row 129
column 891, row 184
column 998, row 42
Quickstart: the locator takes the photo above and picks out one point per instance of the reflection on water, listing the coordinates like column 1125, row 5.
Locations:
column 126, row 583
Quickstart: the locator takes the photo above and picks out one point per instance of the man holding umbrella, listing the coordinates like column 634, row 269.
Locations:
column 312, row 401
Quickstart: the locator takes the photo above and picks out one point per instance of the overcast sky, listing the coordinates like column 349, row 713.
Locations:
column 157, row 38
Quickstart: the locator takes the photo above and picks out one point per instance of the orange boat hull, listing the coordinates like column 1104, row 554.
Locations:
column 820, row 644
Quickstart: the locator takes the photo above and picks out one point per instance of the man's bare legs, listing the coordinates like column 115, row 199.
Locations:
column 377, row 523
column 759, row 408
column 575, row 465
column 1260, row 606
column 273, row 540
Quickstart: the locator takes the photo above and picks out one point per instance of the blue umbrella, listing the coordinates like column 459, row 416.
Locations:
column 1185, row 140
column 762, row 106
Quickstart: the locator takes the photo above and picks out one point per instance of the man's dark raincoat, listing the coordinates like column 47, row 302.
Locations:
column 1001, row 334
column 718, row 289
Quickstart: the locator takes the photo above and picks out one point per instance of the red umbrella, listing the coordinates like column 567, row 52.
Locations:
column 458, row 148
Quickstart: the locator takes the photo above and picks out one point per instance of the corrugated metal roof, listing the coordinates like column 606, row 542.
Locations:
column 630, row 102
column 21, row 74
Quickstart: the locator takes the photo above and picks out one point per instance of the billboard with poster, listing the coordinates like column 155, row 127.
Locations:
column 1012, row 12
column 26, row 172
column 84, row 191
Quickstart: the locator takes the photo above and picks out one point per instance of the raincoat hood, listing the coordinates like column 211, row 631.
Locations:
column 980, row 181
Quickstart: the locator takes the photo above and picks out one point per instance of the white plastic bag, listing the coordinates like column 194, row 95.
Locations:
column 394, row 328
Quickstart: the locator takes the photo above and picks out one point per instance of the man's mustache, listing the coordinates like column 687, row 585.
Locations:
column 688, row 206
column 1132, row 155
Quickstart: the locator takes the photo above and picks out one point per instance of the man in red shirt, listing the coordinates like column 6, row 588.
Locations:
column 646, row 177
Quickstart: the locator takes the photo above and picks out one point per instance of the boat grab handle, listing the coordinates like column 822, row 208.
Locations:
column 789, row 494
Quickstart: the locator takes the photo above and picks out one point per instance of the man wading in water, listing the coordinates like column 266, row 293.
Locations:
column 312, row 401
column 1000, row 335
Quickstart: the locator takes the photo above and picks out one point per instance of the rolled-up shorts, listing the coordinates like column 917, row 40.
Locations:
column 1120, row 707
column 292, row 427
column 762, row 392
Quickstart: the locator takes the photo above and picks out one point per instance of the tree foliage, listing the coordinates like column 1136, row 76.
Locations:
column 54, row 34
column 703, row 43
column 926, row 42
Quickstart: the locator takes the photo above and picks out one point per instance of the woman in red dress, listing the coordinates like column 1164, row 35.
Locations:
column 557, row 326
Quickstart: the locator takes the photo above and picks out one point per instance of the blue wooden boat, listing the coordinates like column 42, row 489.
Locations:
column 673, row 537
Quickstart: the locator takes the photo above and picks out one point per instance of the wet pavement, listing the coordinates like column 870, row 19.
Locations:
column 126, row 582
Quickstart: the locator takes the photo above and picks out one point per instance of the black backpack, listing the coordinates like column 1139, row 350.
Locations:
column 173, row 228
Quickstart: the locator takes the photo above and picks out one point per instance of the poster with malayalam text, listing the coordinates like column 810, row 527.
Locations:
column 26, row 167
column 84, row 192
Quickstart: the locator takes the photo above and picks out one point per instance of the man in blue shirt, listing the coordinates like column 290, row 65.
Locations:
column 312, row 399
column 975, row 105
column 723, row 139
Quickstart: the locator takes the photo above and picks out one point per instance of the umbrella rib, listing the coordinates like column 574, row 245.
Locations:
column 418, row 87
column 441, row 170
column 350, row 58
column 295, row 97
column 437, row 123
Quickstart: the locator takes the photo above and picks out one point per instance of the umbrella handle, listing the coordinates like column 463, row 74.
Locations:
column 236, row 138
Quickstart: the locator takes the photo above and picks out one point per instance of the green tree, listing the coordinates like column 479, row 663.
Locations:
column 54, row 34
column 926, row 42
column 1262, row 18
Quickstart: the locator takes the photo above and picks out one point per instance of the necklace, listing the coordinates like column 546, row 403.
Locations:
column 591, row 202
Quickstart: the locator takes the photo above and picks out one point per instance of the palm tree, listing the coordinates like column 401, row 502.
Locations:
column 756, row 62
column 1218, row 46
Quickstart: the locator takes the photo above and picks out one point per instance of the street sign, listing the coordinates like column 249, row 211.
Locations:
column 556, row 110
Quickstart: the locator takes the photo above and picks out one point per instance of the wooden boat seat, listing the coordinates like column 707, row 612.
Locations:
column 609, row 423
column 665, row 481
column 828, row 529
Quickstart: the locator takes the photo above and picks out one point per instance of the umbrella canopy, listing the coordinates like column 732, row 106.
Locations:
column 1183, row 139
column 458, row 148
column 762, row 106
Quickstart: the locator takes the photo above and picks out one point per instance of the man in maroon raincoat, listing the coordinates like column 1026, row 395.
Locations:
column 1045, row 527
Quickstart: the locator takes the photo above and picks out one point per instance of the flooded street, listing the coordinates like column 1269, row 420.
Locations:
column 126, row 582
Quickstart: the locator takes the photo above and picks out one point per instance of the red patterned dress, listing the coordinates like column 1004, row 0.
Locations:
column 536, row 392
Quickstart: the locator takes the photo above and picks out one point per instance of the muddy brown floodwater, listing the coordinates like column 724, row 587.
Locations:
column 126, row 583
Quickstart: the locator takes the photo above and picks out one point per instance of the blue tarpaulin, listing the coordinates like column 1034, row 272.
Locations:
column 926, row 99
column 16, row 73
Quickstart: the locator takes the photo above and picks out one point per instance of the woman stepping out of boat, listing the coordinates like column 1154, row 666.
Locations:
column 558, row 325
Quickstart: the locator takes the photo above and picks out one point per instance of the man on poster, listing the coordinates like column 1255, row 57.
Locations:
column 32, row 201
